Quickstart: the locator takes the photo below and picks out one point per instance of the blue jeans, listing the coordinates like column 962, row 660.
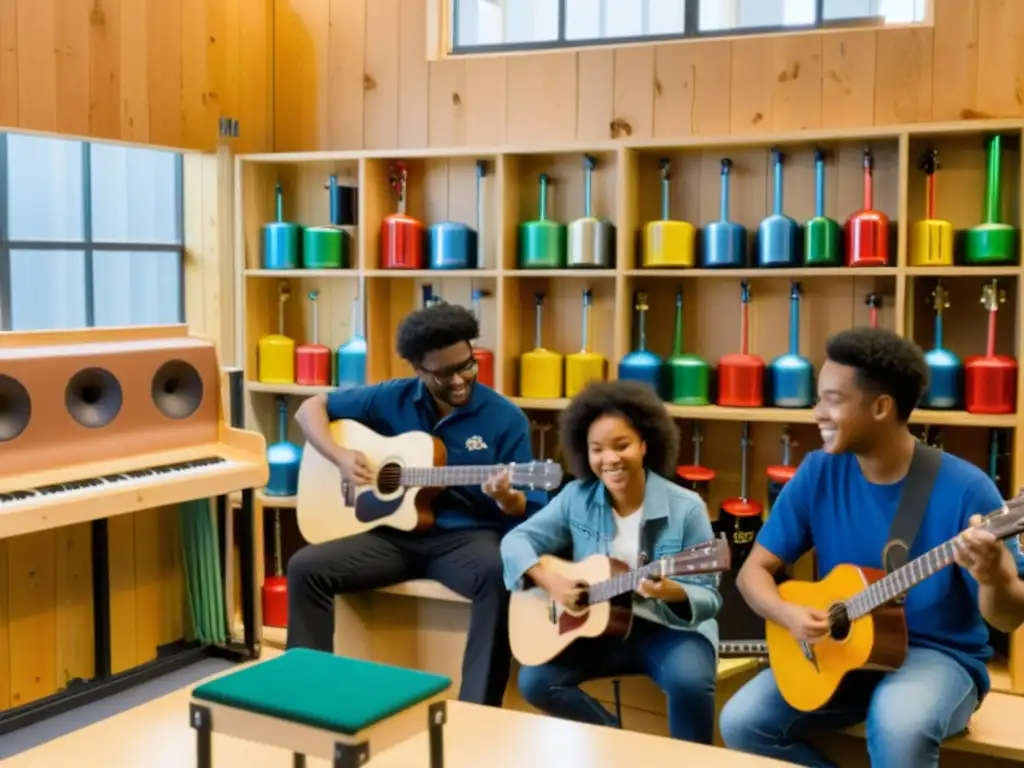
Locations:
column 907, row 714
column 681, row 663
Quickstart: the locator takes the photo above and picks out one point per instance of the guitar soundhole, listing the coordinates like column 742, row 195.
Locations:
column 839, row 620
column 389, row 479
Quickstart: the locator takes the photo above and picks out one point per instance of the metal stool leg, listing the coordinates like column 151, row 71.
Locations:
column 199, row 717
column 618, row 703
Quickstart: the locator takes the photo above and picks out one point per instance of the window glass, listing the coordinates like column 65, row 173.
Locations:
column 134, row 195
column 716, row 15
column 44, row 188
column 48, row 290
column 136, row 288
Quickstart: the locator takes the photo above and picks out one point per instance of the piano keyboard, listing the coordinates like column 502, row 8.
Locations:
column 76, row 489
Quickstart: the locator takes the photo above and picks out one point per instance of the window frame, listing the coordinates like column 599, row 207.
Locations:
column 450, row 46
column 87, row 245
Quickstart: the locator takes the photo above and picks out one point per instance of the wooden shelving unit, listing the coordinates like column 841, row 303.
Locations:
column 442, row 186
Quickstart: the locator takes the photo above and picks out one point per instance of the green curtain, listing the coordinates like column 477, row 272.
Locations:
column 202, row 550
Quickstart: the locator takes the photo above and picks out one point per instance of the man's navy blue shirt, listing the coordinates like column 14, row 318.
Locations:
column 489, row 429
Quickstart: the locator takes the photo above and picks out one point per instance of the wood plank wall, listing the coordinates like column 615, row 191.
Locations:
column 339, row 89
column 149, row 71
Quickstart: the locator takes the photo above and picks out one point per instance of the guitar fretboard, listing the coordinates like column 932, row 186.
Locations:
column 630, row 581
column 425, row 477
column 901, row 580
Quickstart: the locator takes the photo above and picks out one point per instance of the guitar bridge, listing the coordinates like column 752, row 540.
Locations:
column 809, row 655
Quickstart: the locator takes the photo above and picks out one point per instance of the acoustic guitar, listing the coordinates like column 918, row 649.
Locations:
column 868, row 628
column 540, row 629
column 408, row 472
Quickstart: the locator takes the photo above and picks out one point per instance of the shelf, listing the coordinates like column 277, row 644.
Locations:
column 433, row 274
column 306, row 273
column 286, row 389
column 788, row 415
column 798, row 272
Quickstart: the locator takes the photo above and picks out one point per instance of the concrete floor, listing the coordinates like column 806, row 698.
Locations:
column 42, row 732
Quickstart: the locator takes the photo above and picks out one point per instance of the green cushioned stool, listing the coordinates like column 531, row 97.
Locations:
column 315, row 703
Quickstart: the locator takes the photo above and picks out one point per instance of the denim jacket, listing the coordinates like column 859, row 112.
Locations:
column 580, row 518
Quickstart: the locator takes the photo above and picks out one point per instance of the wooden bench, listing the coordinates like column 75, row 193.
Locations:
column 421, row 624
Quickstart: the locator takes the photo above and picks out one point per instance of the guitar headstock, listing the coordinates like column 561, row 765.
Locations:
column 992, row 296
column 1008, row 521
column 536, row 475
column 711, row 557
column 940, row 298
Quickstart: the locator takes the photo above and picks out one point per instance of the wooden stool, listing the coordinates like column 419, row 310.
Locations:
column 319, row 704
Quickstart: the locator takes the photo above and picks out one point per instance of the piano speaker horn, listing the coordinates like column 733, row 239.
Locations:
column 15, row 408
column 177, row 389
column 93, row 397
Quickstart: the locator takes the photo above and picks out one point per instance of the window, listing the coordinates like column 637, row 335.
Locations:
column 90, row 234
column 494, row 25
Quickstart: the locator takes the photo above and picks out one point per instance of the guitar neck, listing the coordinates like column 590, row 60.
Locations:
column 426, row 477
column 895, row 584
column 623, row 583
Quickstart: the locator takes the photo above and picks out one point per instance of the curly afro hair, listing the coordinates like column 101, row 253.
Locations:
column 886, row 364
column 435, row 327
column 639, row 405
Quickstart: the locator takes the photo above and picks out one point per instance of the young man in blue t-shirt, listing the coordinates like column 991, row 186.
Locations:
column 841, row 502
column 477, row 426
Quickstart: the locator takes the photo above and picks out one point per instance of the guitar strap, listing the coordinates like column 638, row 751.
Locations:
column 924, row 468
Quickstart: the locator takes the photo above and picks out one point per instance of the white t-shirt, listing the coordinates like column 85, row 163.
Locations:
column 626, row 544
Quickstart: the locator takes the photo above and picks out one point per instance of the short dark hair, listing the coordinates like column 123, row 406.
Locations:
column 435, row 327
column 639, row 405
column 886, row 364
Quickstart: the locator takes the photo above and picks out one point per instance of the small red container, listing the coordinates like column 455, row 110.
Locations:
column 867, row 232
column 485, row 365
column 741, row 375
column 275, row 601
column 313, row 361
column 990, row 380
column 402, row 238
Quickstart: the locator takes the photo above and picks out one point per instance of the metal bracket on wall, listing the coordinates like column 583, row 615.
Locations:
column 227, row 128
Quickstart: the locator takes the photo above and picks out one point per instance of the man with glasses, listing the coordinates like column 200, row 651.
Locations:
column 461, row 551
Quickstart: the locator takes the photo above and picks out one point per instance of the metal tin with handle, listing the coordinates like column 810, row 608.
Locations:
column 313, row 361
column 483, row 356
column 641, row 364
column 327, row 246
column 867, row 231
column 275, row 353
column 778, row 237
column 454, row 245
column 401, row 236
column 791, row 376
column 822, row 235
column 687, row 376
column 725, row 242
column 874, row 302
column 991, row 379
column 590, row 240
column 741, row 374
column 931, row 240
column 696, row 476
column 275, row 588
column 740, row 517
column 668, row 243
column 542, row 243
column 282, row 240
column 780, row 474
column 540, row 370
column 945, row 371
column 584, row 366
column 992, row 242
column 283, row 457
column 352, row 354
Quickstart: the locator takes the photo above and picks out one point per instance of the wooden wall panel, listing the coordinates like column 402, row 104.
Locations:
column 381, row 93
column 149, row 71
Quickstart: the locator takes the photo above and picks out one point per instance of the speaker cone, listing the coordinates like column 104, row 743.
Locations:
column 93, row 397
column 177, row 389
column 15, row 408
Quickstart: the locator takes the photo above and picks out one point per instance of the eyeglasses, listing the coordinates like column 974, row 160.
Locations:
column 468, row 368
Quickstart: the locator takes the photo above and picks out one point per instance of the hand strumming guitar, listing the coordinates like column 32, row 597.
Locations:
column 562, row 590
column 807, row 625
column 354, row 466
